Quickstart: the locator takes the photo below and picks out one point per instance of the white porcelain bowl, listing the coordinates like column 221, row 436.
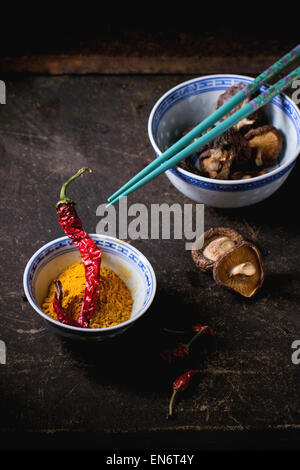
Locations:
column 190, row 102
column 126, row 261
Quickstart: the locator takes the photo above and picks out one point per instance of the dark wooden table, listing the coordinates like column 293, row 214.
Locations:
column 56, row 393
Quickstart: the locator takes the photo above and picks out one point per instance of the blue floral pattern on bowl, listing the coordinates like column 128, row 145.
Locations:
column 180, row 104
column 109, row 245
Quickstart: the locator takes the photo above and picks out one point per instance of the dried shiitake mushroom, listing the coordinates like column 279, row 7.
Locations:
column 216, row 163
column 216, row 242
column 240, row 269
column 267, row 142
column 201, row 149
column 187, row 164
column 232, row 139
column 244, row 175
column 254, row 120
column 227, row 150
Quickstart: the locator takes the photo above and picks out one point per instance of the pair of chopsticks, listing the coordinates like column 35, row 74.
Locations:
column 178, row 152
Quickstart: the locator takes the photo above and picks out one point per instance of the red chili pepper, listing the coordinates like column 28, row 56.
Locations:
column 180, row 385
column 57, row 305
column 90, row 253
column 206, row 329
column 170, row 355
column 183, row 350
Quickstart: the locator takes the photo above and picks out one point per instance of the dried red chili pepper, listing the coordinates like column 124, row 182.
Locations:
column 57, row 305
column 206, row 329
column 180, row 385
column 90, row 253
column 170, row 355
column 182, row 350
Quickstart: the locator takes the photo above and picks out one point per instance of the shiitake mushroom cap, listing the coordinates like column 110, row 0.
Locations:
column 241, row 257
column 243, row 174
column 204, row 263
column 268, row 140
column 255, row 119
column 229, row 150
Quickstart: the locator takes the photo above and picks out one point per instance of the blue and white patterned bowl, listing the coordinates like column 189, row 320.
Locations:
column 126, row 261
column 190, row 102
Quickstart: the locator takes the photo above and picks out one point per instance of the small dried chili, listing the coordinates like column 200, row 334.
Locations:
column 179, row 352
column 180, row 385
column 182, row 350
column 205, row 329
column 90, row 255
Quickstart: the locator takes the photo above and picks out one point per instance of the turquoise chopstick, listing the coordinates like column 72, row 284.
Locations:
column 243, row 112
column 249, row 89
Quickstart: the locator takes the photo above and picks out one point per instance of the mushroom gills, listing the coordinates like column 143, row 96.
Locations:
column 213, row 244
column 266, row 145
column 267, row 142
column 240, row 269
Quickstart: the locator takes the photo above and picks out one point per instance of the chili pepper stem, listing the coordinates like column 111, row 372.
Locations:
column 168, row 330
column 172, row 401
column 188, row 345
column 63, row 198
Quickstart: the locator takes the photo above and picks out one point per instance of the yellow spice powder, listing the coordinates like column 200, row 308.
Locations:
column 114, row 304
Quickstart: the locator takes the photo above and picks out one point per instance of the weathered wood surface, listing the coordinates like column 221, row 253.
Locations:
column 163, row 48
column 57, row 393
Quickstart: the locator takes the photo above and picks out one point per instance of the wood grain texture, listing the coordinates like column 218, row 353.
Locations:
column 54, row 391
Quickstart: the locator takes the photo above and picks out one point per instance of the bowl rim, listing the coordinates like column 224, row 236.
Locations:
column 76, row 328
column 213, row 181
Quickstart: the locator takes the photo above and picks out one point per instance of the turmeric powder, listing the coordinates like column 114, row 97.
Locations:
column 114, row 304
